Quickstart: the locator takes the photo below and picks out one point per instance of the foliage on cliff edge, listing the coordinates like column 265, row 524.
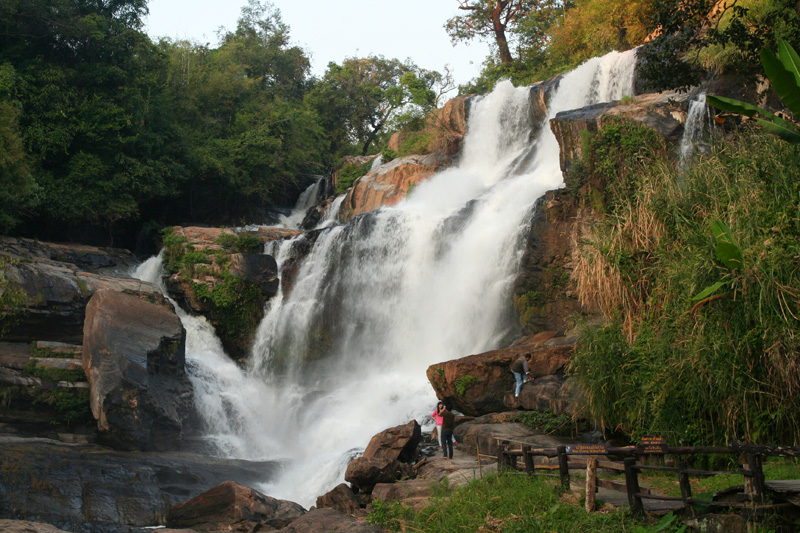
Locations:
column 727, row 368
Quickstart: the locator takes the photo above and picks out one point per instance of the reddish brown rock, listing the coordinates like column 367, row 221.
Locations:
column 233, row 507
column 365, row 472
column 24, row 526
column 477, row 384
column 340, row 498
column 397, row 443
column 133, row 356
column 328, row 520
column 389, row 183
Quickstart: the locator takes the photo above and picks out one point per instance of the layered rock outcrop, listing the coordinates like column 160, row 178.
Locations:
column 133, row 356
column 386, row 458
column 390, row 183
column 231, row 506
column 210, row 276
column 664, row 113
column 91, row 488
column 480, row 384
column 56, row 282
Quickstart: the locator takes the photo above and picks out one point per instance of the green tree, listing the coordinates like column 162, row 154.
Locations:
column 694, row 36
column 357, row 100
column 241, row 114
column 489, row 19
column 17, row 187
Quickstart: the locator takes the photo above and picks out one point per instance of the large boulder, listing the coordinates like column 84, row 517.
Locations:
column 386, row 457
column 55, row 288
column 365, row 472
column 664, row 112
column 399, row 442
column 483, row 434
column 227, row 286
column 133, row 356
column 389, row 183
column 89, row 488
column 328, row 520
column 233, row 507
column 477, row 384
column 340, row 498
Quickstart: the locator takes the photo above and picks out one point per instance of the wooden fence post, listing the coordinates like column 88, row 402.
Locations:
column 501, row 456
column 686, row 490
column 563, row 466
column 591, row 483
column 632, row 486
column 754, row 464
column 526, row 455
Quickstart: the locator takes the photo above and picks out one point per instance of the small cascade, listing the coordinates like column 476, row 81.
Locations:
column 697, row 119
column 331, row 215
column 307, row 199
column 374, row 302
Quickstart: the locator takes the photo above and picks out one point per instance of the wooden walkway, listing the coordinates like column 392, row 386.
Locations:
column 752, row 498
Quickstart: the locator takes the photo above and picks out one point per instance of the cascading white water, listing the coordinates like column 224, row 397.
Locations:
column 308, row 199
column 375, row 302
column 697, row 118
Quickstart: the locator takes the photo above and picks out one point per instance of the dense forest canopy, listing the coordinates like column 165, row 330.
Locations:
column 104, row 132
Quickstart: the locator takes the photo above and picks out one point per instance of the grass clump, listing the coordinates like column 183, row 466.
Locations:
column 545, row 421
column 245, row 243
column 53, row 374
column 501, row 502
column 724, row 370
column 349, row 173
column 463, row 383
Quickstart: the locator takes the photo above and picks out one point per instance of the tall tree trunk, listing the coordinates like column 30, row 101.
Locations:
column 499, row 30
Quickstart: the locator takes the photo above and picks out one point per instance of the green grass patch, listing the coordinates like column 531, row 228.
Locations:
column 53, row 374
column 349, row 173
column 506, row 502
column 246, row 243
column 662, row 364
column 545, row 421
column 464, row 382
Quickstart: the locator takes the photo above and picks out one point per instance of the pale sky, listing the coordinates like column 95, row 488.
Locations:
column 332, row 30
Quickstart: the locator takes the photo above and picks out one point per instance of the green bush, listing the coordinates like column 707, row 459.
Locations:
column 545, row 421
column 506, row 502
column 725, row 368
column 463, row 383
column 234, row 306
column 53, row 374
column 246, row 243
column 349, row 173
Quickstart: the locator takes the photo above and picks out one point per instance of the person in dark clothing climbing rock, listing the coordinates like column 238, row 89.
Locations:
column 521, row 370
column 448, row 423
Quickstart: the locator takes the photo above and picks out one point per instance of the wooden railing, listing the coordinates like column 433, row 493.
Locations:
column 593, row 457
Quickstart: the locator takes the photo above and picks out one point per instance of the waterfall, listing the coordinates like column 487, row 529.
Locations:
column 696, row 119
column 343, row 355
column 307, row 199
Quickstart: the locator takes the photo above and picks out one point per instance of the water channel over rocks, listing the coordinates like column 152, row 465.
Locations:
column 378, row 300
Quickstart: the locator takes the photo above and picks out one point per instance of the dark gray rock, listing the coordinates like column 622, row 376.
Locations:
column 260, row 270
column 89, row 488
column 328, row 520
column 133, row 356
column 231, row 506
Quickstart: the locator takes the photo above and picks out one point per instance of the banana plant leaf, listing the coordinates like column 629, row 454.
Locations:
column 789, row 134
column 708, row 291
column 743, row 108
column 790, row 59
column 782, row 80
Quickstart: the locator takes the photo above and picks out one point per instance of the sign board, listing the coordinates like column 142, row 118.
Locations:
column 588, row 449
column 652, row 444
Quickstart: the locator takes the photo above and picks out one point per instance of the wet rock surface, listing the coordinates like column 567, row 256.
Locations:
column 95, row 489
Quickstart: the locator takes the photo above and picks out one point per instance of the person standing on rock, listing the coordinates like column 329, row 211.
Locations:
column 448, row 423
column 437, row 416
column 521, row 370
